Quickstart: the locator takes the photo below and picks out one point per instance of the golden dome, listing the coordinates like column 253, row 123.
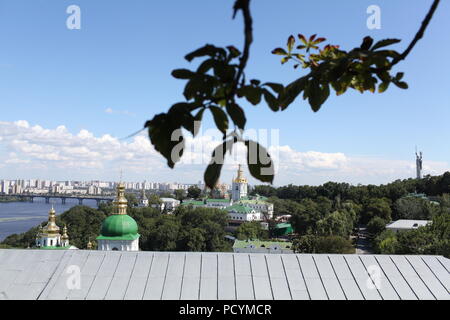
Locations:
column 120, row 202
column 65, row 236
column 240, row 176
column 51, row 227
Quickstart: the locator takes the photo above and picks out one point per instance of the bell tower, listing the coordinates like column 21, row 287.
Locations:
column 239, row 186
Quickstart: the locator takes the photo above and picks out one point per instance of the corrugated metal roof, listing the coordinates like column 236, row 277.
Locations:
column 37, row 274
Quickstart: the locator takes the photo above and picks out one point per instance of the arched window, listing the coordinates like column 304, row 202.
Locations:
column 115, row 249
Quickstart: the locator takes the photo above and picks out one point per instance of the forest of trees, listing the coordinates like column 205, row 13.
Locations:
column 324, row 217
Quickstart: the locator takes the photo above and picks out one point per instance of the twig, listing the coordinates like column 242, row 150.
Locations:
column 419, row 33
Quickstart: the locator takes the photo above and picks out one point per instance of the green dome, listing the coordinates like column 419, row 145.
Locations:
column 119, row 226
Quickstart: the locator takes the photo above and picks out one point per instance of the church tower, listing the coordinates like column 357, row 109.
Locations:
column 144, row 200
column 119, row 231
column 239, row 186
column 49, row 236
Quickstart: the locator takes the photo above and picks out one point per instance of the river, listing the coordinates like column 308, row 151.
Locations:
column 18, row 217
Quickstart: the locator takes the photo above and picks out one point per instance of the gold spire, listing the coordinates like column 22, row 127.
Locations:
column 120, row 202
column 240, row 176
column 51, row 227
column 65, row 235
column 89, row 244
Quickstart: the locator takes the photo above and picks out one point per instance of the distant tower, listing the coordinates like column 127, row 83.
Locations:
column 419, row 165
column 239, row 186
column 144, row 199
column 89, row 245
column 119, row 231
column 65, row 238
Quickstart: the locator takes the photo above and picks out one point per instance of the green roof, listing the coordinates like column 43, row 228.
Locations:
column 283, row 225
column 253, row 201
column 218, row 200
column 119, row 227
column 193, row 202
column 239, row 208
column 242, row 244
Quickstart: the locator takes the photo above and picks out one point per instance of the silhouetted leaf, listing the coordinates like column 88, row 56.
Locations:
column 212, row 173
column 220, row 118
column 237, row 115
column 259, row 162
column 279, row 51
column 292, row 91
column 384, row 43
column 182, row 74
column 272, row 102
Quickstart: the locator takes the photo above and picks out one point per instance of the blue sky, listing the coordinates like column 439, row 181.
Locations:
column 122, row 57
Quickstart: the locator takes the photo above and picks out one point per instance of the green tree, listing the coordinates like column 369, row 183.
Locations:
column 249, row 231
column 376, row 225
column 376, row 208
column 180, row 194
column 318, row 244
column 194, row 192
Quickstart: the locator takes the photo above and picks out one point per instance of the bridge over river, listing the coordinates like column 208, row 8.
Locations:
column 30, row 197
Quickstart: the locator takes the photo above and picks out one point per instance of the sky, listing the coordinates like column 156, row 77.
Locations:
column 69, row 97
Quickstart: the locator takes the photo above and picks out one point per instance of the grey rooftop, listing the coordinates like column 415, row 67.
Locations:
column 52, row 274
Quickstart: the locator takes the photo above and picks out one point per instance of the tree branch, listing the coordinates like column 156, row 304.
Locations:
column 243, row 5
column 419, row 34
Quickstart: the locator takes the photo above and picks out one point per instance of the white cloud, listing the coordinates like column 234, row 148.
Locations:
column 122, row 112
column 33, row 151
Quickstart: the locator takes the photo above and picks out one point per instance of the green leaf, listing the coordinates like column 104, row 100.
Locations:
column 279, row 51
column 290, row 43
column 383, row 87
column 183, row 74
column 399, row 76
column 384, row 43
column 237, row 115
column 259, row 162
column 220, row 118
column 401, row 84
column 212, row 173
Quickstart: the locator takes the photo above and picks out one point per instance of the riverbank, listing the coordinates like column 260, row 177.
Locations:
column 4, row 199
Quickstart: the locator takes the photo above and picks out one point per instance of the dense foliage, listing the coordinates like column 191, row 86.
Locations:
column 336, row 209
